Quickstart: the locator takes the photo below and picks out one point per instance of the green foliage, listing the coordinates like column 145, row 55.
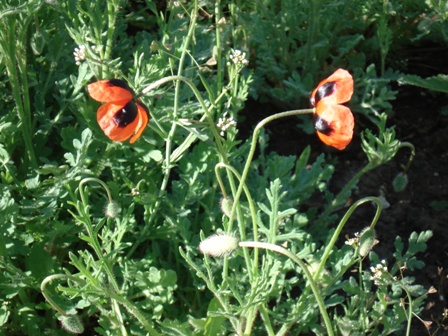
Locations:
column 108, row 232
column 437, row 83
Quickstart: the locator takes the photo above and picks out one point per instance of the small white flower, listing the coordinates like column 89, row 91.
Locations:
column 378, row 271
column 80, row 54
column 238, row 57
column 353, row 241
column 224, row 123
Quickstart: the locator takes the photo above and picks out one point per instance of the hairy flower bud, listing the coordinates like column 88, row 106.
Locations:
column 226, row 205
column 112, row 209
column 72, row 324
column 219, row 245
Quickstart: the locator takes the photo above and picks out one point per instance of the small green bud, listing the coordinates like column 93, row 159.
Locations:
column 400, row 182
column 226, row 205
column 72, row 324
column 366, row 241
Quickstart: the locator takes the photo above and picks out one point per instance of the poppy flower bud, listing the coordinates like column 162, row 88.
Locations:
column 72, row 324
column 366, row 241
column 226, row 205
column 112, row 209
column 219, row 245
column 400, row 182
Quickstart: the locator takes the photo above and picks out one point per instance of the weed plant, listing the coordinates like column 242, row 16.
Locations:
column 104, row 236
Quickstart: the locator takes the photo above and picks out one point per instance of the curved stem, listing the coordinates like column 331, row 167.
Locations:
column 94, row 179
column 333, row 240
column 47, row 295
column 341, row 225
column 411, row 157
column 341, row 196
column 169, row 140
column 311, row 281
column 111, row 294
column 97, row 246
column 253, row 146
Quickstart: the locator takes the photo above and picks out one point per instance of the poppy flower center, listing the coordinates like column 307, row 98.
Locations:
column 126, row 115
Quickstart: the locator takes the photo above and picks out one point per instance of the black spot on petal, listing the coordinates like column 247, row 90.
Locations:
column 324, row 90
column 322, row 126
column 126, row 115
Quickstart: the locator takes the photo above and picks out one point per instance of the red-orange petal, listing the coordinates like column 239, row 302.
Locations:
column 109, row 90
column 334, row 124
column 106, row 119
column 143, row 119
column 336, row 89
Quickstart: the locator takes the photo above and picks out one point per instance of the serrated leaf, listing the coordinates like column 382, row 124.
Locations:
column 436, row 83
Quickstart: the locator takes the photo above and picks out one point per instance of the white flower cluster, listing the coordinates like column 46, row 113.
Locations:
column 378, row 271
column 224, row 123
column 353, row 241
column 80, row 54
column 239, row 58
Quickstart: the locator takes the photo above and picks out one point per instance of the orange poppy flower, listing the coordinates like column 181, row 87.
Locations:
column 122, row 117
column 334, row 122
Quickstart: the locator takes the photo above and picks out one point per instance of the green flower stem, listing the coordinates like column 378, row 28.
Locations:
column 219, row 61
column 411, row 157
column 12, row 39
column 169, row 140
column 216, row 136
column 253, row 213
column 341, row 225
column 331, row 244
column 209, row 281
column 341, row 196
column 253, row 146
column 94, row 179
column 94, row 239
column 408, row 327
column 112, row 7
column 264, row 313
column 47, row 295
column 132, row 309
column 311, row 281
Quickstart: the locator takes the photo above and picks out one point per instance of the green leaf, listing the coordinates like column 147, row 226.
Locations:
column 436, row 83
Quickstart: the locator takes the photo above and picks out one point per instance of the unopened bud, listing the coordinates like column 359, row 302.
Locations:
column 400, row 182
column 219, row 245
column 72, row 324
column 112, row 209
column 226, row 205
column 366, row 241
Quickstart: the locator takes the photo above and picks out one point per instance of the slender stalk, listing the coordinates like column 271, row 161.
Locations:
column 96, row 245
column 111, row 294
column 253, row 211
column 253, row 146
column 169, row 140
column 341, row 196
column 311, row 280
column 331, row 244
column 408, row 327
column 411, row 157
column 341, row 225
